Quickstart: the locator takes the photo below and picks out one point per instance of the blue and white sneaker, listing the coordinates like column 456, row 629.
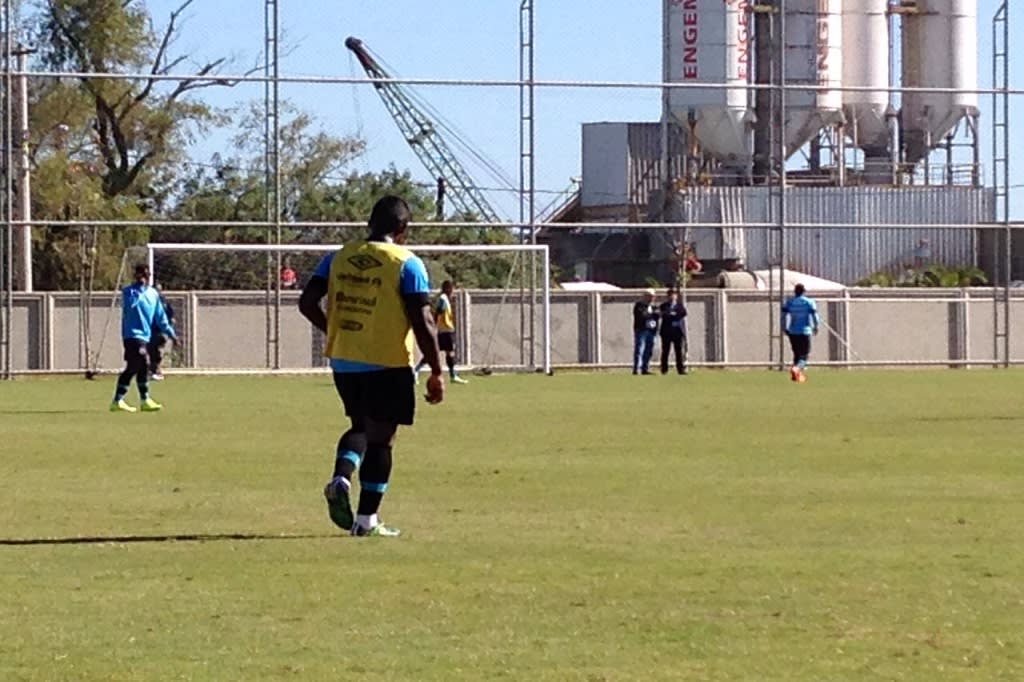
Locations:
column 378, row 531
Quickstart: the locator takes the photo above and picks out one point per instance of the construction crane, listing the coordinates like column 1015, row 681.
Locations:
column 422, row 135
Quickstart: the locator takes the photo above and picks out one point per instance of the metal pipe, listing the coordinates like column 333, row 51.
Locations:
column 782, row 169
column 532, row 167
column 8, row 188
column 483, row 82
column 23, row 231
column 276, row 145
column 587, row 225
column 547, row 310
column 271, row 181
column 524, row 177
column 1006, row 180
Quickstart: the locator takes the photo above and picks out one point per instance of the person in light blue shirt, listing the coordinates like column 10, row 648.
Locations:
column 799, row 322
column 141, row 313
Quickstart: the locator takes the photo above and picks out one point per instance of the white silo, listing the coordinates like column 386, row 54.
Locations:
column 940, row 50
column 814, row 56
column 709, row 42
column 866, row 65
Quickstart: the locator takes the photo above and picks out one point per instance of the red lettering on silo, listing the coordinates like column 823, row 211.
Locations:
column 743, row 38
column 823, row 42
column 691, row 35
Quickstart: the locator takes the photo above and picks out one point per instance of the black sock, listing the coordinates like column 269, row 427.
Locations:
column 124, row 382
column 373, row 478
column 142, row 381
column 351, row 447
column 451, row 365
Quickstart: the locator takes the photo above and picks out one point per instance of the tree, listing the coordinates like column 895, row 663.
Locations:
column 135, row 122
column 105, row 148
column 934, row 275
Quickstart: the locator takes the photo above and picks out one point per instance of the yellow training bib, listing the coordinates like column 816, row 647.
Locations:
column 444, row 315
column 366, row 320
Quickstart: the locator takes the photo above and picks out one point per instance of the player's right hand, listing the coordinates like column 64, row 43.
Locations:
column 435, row 389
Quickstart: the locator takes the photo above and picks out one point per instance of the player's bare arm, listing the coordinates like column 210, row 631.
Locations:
column 309, row 302
column 421, row 319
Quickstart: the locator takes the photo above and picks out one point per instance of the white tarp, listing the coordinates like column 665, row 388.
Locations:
column 589, row 286
column 792, row 278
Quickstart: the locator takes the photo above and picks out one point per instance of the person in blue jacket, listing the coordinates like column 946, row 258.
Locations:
column 141, row 312
column 800, row 322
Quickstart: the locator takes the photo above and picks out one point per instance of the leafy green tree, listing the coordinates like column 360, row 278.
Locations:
column 105, row 148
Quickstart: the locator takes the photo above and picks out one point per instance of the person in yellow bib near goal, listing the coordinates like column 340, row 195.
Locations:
column 444, row 318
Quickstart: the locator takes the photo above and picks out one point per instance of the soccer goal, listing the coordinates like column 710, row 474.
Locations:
column 236, row 305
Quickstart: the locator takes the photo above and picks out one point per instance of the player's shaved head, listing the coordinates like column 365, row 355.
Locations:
column 390, row 216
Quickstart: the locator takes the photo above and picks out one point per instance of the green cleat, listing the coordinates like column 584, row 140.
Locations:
column 121, row 406
column 378, row 531
column 150, row 405
column 338, row 506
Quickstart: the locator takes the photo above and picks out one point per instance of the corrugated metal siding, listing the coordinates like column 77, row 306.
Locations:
column 845, row 254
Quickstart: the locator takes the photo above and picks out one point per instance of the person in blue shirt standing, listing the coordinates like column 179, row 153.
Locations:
column 141, row 311
column 799, row 323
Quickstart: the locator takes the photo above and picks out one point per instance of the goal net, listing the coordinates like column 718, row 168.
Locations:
column 236, row 305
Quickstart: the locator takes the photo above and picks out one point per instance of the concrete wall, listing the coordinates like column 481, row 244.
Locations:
column 235, row 330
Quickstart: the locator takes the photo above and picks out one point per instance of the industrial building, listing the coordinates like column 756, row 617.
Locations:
column 822, row 97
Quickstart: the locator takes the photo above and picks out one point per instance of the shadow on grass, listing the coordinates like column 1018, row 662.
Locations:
column 181, row 537
column 968, row 418
column 51, row 412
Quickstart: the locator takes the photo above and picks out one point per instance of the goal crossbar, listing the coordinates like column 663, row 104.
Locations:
column 541, row 250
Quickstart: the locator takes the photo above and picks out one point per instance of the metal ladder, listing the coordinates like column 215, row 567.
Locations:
column 1000, row 179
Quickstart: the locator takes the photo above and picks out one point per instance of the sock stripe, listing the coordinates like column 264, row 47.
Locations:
column 373, row 487
column 351, row 456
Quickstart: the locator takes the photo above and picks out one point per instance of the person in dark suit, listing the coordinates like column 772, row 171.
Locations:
column 672, row 314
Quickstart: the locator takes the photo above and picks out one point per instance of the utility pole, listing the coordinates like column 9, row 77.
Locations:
column 23, row 188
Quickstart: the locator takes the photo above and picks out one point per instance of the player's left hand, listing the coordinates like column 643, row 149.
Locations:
column 435, row 389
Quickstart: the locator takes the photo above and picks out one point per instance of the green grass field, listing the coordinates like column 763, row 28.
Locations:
column 721, row 526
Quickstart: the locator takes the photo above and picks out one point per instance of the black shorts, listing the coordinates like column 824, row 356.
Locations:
column 387, row 395
column 446, row 342
column 136, row 353
column 800, row 344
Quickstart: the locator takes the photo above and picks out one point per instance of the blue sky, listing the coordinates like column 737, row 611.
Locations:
column 466, row 39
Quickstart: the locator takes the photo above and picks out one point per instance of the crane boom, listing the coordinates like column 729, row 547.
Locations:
column 422, row 135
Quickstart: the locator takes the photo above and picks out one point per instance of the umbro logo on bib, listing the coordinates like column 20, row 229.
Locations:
column 364, row 261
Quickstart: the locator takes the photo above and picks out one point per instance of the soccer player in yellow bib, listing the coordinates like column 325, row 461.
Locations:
column 377, row 304
column 444, row 318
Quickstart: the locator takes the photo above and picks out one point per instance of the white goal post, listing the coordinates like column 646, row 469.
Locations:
column 540, row 288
